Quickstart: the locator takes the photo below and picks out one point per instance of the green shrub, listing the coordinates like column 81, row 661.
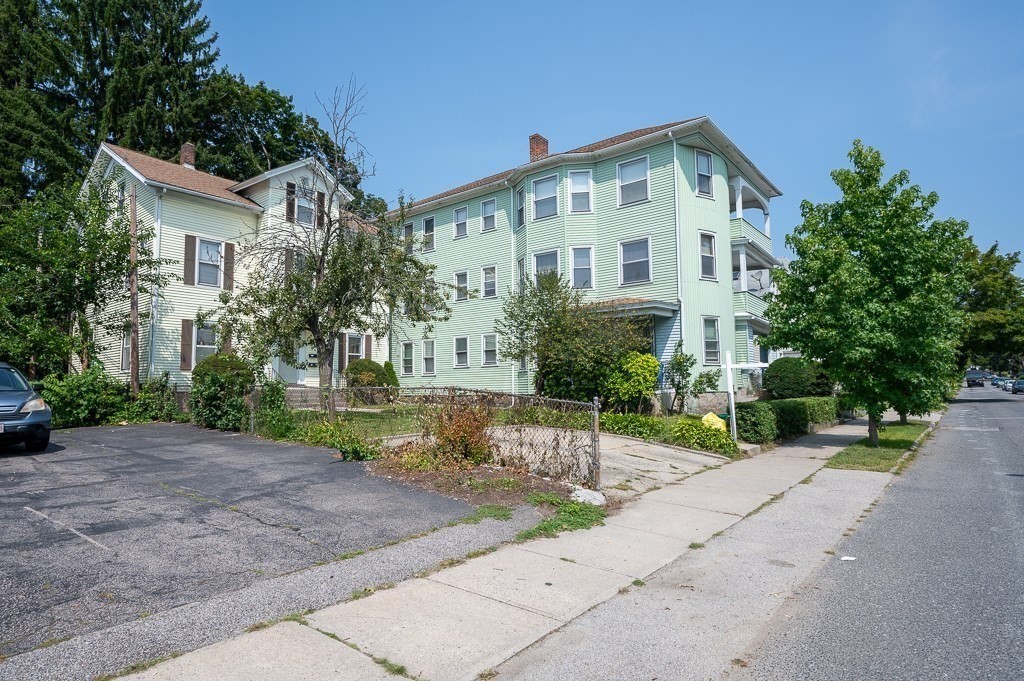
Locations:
column 633, row 380
column 221, row 385
column 156, row 401
column 459, row 432
column 90, row 398
column 695, row 435
column 339, row 435
column 390, row 375
column 544, row 416
column 793, row 417
column 273, row 417
column 365, row 373
column 755, row 422
column 790, row 377
column 632, row 425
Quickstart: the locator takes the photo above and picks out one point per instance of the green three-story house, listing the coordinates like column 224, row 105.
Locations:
column 670, row 222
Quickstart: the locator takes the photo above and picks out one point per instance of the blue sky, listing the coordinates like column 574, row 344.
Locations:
column 455, row 89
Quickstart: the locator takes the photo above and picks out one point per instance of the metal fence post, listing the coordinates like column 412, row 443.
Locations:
column 595, row 436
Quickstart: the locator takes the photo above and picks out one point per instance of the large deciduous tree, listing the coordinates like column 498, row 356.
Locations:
column 874, row 289
column 574, row 346
column 310, row 283
column 994, row 304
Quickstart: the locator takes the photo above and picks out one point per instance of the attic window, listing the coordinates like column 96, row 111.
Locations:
column 304, row 203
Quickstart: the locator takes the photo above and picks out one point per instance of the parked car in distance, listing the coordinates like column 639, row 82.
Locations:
column 975, row 378
column 24, row 416
column 1018, row 386
column 1007, row 385
column 996, row 380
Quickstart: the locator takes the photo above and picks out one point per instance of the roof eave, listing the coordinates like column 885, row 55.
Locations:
column 255, row 208
column 303, row 163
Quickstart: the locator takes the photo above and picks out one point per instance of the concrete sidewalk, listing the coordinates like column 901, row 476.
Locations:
column 462, row 621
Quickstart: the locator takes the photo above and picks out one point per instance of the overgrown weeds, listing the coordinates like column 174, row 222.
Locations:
column 568, row 516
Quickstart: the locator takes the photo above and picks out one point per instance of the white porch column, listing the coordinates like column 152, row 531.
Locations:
column 743, row 267
column 767, row 224
column 739, row 200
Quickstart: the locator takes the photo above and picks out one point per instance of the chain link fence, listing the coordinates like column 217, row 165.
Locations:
column 554, row 438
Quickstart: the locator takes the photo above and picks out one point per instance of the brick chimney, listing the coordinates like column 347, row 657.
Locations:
column 538, row 147
column 187, row 155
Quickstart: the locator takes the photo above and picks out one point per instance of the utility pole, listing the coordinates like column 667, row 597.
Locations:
column 133, row 287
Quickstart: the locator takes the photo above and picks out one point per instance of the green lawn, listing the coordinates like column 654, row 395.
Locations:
column 893, row 441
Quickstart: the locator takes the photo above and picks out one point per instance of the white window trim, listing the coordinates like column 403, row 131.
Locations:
column 590, row 190
column 433, row 233
column 362, row 346
column 483, row 281
column 423, row 357
column 195, row 341
column 455, row 281
column 126, row 350
column 303, row 193
column 704, row 340
column 521, row 192
column 650, row 261
column 220, row 263
column 411, row 345
column 409, row 233
column 533, row 197
column 696, row 174
column 483, row 350
column 494, row 215
column 455, row 223
column 533, row 262
column 572, row 268
column 455, row 353
column 522, row 281
column 700, row 255
column 618, row 181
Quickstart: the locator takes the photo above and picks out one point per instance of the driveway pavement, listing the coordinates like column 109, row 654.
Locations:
column 113, row 525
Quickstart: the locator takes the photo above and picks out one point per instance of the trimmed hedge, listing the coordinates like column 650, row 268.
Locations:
column 790, row 377
column 696, row 435
column 365, row 373
column 763, row 422
column 632, row 425
column 755, row 422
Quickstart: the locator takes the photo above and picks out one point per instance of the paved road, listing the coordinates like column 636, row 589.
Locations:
column 937, row 587
column 115, row 524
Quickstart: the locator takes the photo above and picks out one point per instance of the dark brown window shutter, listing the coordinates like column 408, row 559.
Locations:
column 229, row 266
column 190, row 260
column 186, row 345
column 368, row 346
column 289, row 262
column 321, row 212
column 344, row 352
column 289, row 202
column 225, row 338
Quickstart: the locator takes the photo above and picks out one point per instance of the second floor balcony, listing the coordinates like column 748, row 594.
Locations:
column 742, row 231
column 749, row 303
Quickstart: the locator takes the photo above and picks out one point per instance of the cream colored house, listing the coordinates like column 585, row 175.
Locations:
column 201, row 221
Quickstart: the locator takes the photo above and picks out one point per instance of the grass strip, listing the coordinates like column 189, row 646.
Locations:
column 893, row 441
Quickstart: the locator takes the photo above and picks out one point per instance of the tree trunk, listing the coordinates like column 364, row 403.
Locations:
column 872, row 430
column 903, row 418
column 325, row 367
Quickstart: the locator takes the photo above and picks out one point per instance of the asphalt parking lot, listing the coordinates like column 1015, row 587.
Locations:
column 114, row 524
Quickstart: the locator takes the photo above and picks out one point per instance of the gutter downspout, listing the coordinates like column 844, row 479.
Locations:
column 679, row 236
column 514, row 269
column 155, row 295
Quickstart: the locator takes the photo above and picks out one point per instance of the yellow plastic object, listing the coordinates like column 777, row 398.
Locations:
column 713, row 421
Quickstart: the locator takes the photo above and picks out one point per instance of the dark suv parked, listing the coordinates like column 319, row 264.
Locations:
column 975, row 378
column 24, row 417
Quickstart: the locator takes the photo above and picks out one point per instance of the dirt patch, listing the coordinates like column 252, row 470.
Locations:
column 477, row 486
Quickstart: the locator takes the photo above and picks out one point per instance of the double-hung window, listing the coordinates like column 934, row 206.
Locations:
column 208, row 262
column 126, row 350
column 460, row 216
column 520, row 206
column 120, row 196
column 428, row 234
column 579, row 188
column 489, row 279
column 427, row 354
column 633, row 181
column 407, row 233
column 487, row 215
column 206, row 342
column 544, row 263
column 545, row 197
column 461, row 286
column 461, row 344
column 704, row 186
column 521, row 268
column 489, row 343
column 355, row 347
column 635, row 260
column 583, row 267
column 407, row 358
column 303, row 203
column 708, row 268
column 712, row 350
